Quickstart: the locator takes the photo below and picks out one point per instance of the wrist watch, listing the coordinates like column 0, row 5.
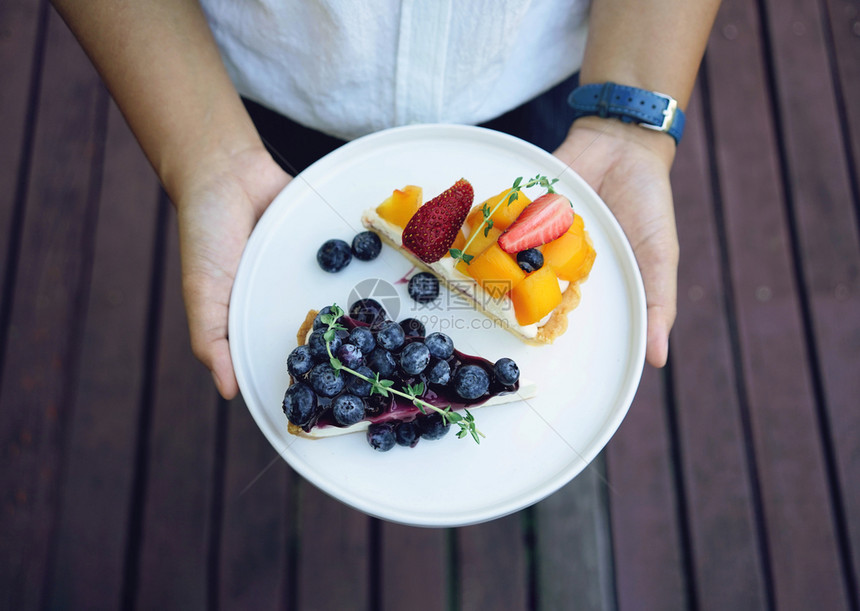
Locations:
column 648, row 109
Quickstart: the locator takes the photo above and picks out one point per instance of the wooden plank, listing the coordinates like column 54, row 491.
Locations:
column 174, row 549
column 46, row 312
column 573, row 549
column 803, row 550
column 825, row 221
column 254, row 568
column 21, row 43
column 646, row 534
column 334, row 568
column 844, row 33
column 720, row 499
column 414, row 567
column 100, row 459
column 493, row 569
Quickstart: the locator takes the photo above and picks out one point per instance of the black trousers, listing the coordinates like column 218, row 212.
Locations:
column 543, row 121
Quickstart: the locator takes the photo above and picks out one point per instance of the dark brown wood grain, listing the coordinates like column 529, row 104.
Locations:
column 774, row 356
column 254, row 569
column 126, row 482
column 493, row 571
column 573, row 546
column 21, row 46
column 646, row 534
column 842, row 39
column 334, row 570
column 823, row 210
column 414, row 567
column 180, row 484
column 99, row 469
column 52, row 277
column 721, row 501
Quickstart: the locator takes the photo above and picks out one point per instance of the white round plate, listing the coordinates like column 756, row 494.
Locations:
column 586, row 379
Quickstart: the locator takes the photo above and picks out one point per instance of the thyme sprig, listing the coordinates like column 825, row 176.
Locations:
column 508, row 198
column 383, row 387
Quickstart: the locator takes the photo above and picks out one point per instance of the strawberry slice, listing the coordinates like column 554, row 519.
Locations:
column 433, row 228
column 545, row 219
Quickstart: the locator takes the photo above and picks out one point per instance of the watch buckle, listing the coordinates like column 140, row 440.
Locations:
column 668, row 114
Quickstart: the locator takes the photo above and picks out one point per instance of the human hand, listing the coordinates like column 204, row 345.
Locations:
column 629, row 166
column 216, row 215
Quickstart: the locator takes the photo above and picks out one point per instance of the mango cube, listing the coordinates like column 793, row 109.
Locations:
column 496, row 271
column 402, row 204
column 504, row 216
column 536, row 296
column 478, row 245
column 571, row 256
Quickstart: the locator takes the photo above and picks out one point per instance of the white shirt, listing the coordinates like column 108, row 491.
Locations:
column 351, row 67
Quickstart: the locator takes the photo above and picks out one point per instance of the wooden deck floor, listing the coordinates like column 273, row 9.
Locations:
column 734, row 482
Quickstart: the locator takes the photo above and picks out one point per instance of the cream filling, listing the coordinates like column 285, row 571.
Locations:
column 445, row 267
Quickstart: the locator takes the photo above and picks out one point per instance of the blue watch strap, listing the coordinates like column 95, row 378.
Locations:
column 649, row 109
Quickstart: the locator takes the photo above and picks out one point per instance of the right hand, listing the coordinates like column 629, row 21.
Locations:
column 216, row 215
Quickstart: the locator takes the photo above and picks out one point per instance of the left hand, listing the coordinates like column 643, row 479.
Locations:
column 216, row 215
column 629, row 166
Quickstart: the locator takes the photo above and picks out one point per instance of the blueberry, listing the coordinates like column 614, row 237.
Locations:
column 380, row 436
column 317, row 345
column 432, row 426
column 506, row 371
column 376, row 404
column 348, row 409
column 530, row 260
column 414, row 358
column 325, row 381
column 471, row 381
column 382, row 362
column 423, row 287
column 407, row 434
column 390, row 336
column 318, row 323
column 334, row 255
column 368, row 311
column 300, row 404
column 350, row 355
column 356, row 385
column 300, row 361
column 439, row 373
column 366, row 246
column 440, row 345
column 363, row 338
column 412, row 327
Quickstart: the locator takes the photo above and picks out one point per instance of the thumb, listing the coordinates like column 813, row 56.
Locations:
column 659, row 265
